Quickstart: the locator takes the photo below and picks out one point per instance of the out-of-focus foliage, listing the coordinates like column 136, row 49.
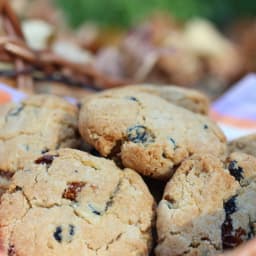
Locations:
column 128, row 12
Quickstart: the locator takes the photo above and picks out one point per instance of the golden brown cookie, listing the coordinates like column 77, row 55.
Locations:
column 246, row 144
column 71, row 203
column 149, row 134
column 187, row 98
column 38, row 124
column 207, row 207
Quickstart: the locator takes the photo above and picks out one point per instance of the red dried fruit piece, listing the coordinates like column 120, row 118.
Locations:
column 72, row 190
column 6, row 175
column 231, row 238
column 11, row 250
column 45, row 159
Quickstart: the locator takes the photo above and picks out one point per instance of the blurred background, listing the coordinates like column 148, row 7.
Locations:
column 128, row 12
column 207, row 45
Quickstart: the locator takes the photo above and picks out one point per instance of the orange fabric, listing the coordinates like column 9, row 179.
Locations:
column 4, row 97
column 236, row 122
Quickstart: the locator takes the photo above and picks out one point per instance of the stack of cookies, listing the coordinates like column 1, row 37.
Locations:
column 100, row 178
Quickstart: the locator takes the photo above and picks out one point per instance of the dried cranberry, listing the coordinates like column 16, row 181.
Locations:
column 72, row 190
column 45, row 159
column 11, row 250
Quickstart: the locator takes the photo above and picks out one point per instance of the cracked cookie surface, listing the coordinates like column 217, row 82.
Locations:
column 32, row 127
column 208, row 207
column 245, row 144
column 190, row 99
column 71, row 203
column 148, row 134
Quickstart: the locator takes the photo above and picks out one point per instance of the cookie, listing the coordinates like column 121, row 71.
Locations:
column 207, row 207
column 246, row 144
column 71, row 203
column 248, row 249
column 187, row 98
column 147, row 133
column 34, row 126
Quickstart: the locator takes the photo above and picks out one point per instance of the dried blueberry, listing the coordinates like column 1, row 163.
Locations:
column 45, row 150
column 169, row 205
column 235, row 170
column 16, row 111
column 58, row 234
column 110, row 201
column 230, row 206
column 173, row 142
column 131, row 98
column 139, row 134
column 71, row 230
column 72, row 190
column 45, row 159
column 94, row 211
column 94, row 152
column 206, row 126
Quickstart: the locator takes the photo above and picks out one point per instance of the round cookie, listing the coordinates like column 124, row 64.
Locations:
column 208, row 208
column 149, row 134
column 246, row 144
column 71, row 203
column 38, row 124
column 187, row 98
